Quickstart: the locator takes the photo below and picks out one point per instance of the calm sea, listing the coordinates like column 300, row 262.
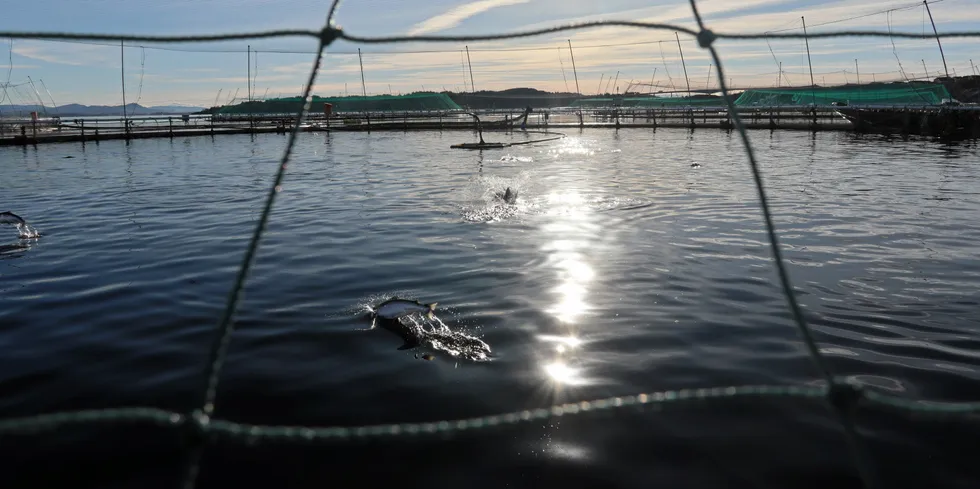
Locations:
column 621, row 269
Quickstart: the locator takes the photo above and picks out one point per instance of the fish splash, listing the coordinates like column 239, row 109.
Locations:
column 491, row 205
column 420, row 331
column 454, row 343
column 24, row 230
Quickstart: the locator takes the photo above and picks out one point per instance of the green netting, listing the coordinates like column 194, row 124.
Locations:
column 872, row 94
column 375, row 103
column 650, row 102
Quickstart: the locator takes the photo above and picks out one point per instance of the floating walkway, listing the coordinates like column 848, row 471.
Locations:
column 772, row 118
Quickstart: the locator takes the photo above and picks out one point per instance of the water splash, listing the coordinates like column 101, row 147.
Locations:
column 491, row 213
column 24, row 230
column 488, row 205
column 434, row 334
column 522, row 159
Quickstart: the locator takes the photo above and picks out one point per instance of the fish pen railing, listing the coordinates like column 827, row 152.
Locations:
column 842, row 395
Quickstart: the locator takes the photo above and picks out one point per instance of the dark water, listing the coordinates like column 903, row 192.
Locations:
column 622, row 269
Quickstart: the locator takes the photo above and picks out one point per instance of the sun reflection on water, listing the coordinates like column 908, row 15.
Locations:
column 567, row 252
column 557, row 363
column 572, row 146
column 567, row 247
column 563, row 374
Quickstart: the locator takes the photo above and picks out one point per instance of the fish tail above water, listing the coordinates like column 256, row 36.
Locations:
column 11, row 218
column 509, row 196
column 394, row 308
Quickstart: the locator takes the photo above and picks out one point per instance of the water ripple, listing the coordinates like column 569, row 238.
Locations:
column 621, row 268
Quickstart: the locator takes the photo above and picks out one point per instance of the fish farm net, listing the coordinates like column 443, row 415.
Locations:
column 201, row 423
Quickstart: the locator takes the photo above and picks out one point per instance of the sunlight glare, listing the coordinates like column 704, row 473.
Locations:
column 563, row 374
column 564, row 343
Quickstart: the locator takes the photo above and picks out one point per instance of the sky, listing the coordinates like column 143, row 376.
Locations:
column 202, row 74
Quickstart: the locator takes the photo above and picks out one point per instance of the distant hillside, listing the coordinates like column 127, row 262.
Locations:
column 77, row 110
column 513, row 98
column 963, row 88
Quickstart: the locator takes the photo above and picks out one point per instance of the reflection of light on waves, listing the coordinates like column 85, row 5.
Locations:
column 570, row 220
column 574, row 272
column 558, row 369
column 566, row 232
column 567, row 451
column 571, row 146
column 561, row 375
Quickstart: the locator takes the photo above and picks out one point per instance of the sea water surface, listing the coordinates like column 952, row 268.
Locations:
column 622, row 268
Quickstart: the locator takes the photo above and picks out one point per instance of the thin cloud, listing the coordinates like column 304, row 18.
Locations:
column 40, row 55
column 454, row 16
column 63, row 53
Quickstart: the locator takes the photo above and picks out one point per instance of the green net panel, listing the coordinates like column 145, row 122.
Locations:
column 652, row 102
column 375, row 103
column 872, row 94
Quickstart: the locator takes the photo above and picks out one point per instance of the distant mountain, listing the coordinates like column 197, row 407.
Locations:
column 77, row 110
column 513, row 98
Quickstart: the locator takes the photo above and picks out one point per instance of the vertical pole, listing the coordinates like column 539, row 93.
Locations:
column 462, row 64
column 361, row 61
column 562, row 64
column 472, row 85
column 857, row 70
column 808, row 62
column 615, row 81
column 686, row 80
column 924, row 2
column 779, row 76
column 708, row 82
column 653, row 78
column 573, row 66
column 926, row 69
column 599, row 90
column 122, row 73
column 971, row 66
column 248, row 83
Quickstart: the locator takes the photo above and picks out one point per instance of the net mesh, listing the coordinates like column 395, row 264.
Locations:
column 875, row 94
column 653, row 102
column 843, row 396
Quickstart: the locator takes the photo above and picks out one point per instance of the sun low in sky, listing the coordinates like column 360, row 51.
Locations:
column 635, row 59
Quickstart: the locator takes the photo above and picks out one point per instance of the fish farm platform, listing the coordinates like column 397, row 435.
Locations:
column 931, row 121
